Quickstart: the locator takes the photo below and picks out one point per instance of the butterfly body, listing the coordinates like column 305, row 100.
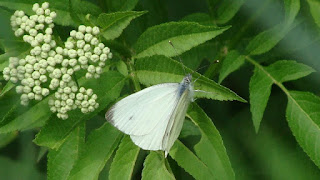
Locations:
column 153, row 117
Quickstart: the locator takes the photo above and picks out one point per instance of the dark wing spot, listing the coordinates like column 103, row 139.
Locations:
column 130, row 117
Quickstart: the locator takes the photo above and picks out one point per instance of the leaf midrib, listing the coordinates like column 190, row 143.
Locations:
column 280, row 85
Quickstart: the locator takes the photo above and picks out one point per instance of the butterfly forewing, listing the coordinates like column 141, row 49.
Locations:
column 140, row 113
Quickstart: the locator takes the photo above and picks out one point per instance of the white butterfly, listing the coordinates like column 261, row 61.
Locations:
column 153, row 117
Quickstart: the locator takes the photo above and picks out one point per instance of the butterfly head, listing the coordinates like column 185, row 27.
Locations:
column 187, row 79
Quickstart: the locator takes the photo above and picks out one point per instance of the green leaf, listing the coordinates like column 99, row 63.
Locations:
column 201, row 18
column 189, row 129
column 59, row 6
column 98, row 148
column 122, row 68
column 113, row 24
column 184, row 36
column 190, row 162
column 121, row 5
column 231, row 63
column 7, row 88
column 210, row 149
column 124, row 160
column 268, row 39
column 60, row 162
column 155, row 167
column 227, row 9
column 5, row 139
column 314, row 6
column 195, row 56
column 292, row 8
column 35, row 116
column 107, row 88
column 19, row 50
column 264, row 77
column 160, row 69
column 303, row 115
column 79, row 9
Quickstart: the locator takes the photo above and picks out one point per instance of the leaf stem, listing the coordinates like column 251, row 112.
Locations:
column 279, row 84
column 133, row 76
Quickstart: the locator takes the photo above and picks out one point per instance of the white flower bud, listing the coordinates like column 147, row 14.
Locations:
column 31, row 95
column 58, row 58
column 66, row 78
column 47, row 12
column 86, row 47
column 89, row 75
column 64, row 97
column 80, row 44
column 94, row 41
column 19, row 89
column 90, row 108
column 45, row 92
column 65, row 63
column 95, row 30
column 91, row 69
column 70, row 71
column 82, row 28
column 59, row 50
column 106, row 50
column 64, row 70
column 53, row 15
column 39, row 26
column 103, row 57
column 35, row 7
column 97, row 51
column 88, row 29
column 47, row 38
column 88, row 37
column 53, row 43
column 76, row 68
column 89, row 92
column 37, row 82
column 37, row 90
column 57, row 103
column 84, row 110
column 36, row 75
column 38, row 97
column 95, row 58
column 110, row 56
column 26, row 89
column 53, row 109
column 92, row 102
column 69, row 45
column 63, row 84
column 48, row 31
column 79, row 35
column 56, row 73
column 43, row 78
column 84, row 104
column 39, row 12
column 69, row 102
column 24, row 97
column 73, row 33
column 98, row 70
column 45, row 5
column 19, row 32
column 79, row 96
column 72, row 53
column 67, row 90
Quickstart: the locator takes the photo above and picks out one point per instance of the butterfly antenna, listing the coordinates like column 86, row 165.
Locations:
column 214, row 62
column 175, row 50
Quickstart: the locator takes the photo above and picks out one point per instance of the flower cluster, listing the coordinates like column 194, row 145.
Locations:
column 51, row 67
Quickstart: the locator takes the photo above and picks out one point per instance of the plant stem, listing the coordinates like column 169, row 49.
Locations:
column 133, row 76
